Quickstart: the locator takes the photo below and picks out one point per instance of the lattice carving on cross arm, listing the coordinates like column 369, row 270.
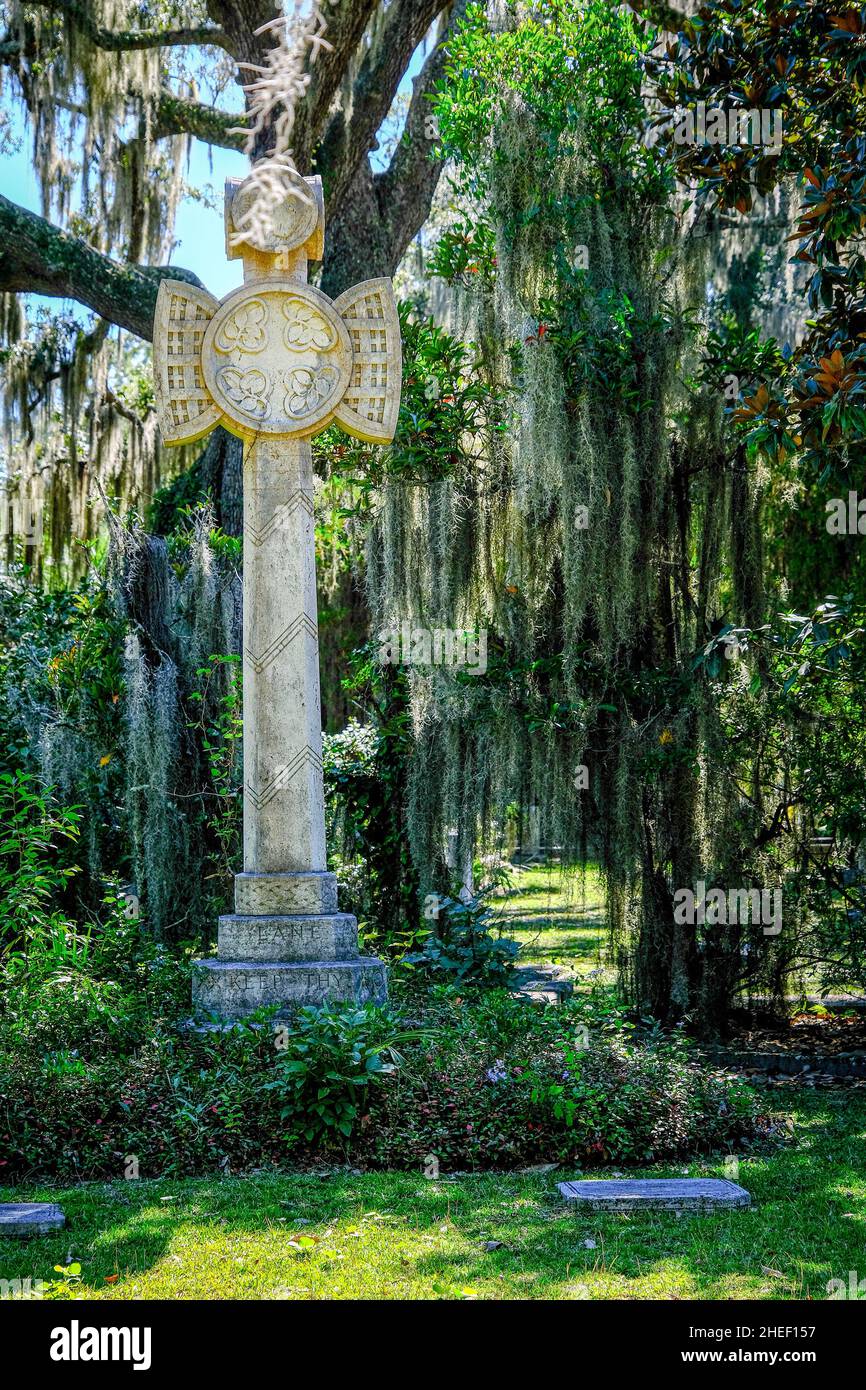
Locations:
column 370, row 406
column 186, row 409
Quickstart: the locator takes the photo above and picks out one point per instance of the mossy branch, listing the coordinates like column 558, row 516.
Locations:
column 176, row 116
column 39, row 258
column 119, row 40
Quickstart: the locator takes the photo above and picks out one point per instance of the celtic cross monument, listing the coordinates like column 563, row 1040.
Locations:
column 275, row 362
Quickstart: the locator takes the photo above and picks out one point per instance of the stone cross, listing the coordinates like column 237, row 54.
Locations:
column 275, row 362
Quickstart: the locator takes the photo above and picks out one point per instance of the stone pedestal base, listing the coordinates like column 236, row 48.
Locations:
column 287, row 944
column 332, row 936
column 233, row 989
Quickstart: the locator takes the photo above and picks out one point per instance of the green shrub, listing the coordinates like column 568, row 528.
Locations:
column 327, row 1061
column 505, row 1084
column 30, row 878
column 84, row 990
column 464, row 948
column 365, row 780
column 487, row 1081
column 181, row 1101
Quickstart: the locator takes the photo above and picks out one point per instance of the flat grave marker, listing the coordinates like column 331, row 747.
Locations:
column 30, row 1218
column 656, row 1194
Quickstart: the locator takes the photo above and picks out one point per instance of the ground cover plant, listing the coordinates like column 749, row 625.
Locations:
column 337, row 1233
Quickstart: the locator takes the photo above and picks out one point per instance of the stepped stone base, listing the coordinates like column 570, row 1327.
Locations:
column 233, row 989
column 282, row 938
column 287, row 944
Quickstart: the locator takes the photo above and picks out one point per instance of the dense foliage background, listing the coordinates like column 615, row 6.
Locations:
column 634, row 387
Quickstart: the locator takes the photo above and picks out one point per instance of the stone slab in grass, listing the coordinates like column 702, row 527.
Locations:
column 543, row 984
column 665, row 1194
column 30, row 1218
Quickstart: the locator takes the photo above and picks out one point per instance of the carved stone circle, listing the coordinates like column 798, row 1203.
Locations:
column 276, row 358
column 296, row 216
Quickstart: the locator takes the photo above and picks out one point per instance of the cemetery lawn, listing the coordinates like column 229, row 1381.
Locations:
column 340, row 1235
column 557, row 916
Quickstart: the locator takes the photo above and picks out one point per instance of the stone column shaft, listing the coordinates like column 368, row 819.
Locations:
column 284, row 818
column 287, row 943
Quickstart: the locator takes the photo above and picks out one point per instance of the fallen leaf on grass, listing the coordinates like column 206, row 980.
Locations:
column 303, row 1243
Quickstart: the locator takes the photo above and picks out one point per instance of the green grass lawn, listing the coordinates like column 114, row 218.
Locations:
column 543, row 886
column 398, row 1236
column 576, row 941
column 557, row 916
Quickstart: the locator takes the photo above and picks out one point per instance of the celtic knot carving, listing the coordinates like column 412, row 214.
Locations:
column 244, row 330
column 248, row 390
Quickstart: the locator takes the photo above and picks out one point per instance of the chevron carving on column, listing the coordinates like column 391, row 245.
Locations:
column 298, row 499
column 301, row 624
column 308, row 757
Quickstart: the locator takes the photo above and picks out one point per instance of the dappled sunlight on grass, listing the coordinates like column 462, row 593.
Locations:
column 395, row 1235
column 557, row 916
column 549, row 886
